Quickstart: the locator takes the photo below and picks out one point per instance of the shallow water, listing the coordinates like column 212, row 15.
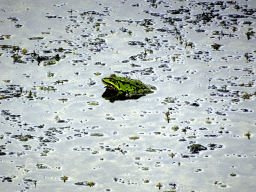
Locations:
column 55, row 124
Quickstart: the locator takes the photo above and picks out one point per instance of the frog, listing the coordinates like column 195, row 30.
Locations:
column 121, row 88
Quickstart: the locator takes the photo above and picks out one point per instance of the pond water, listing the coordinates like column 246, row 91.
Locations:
column 194, row 133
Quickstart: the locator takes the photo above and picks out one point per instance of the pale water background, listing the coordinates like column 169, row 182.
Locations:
column 55, row 123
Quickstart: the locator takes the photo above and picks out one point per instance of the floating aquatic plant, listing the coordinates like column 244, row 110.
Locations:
column 64, row 178
column 195, row 148
column 134, row 138
column 216, row 46
column 249, row 33
column 90, row 183
column 167, row 114
column 248, row 135
column 159, row 185
column 171, row 155
column 175, row 128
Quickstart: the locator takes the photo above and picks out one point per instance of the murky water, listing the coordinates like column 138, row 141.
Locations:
column 194, row 133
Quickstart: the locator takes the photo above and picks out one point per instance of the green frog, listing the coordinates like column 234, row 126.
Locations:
column 123, row 88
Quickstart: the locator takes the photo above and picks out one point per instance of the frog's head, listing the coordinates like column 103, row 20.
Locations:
column 111, row 82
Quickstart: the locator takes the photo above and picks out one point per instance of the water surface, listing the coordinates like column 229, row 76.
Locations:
column 55, row 126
